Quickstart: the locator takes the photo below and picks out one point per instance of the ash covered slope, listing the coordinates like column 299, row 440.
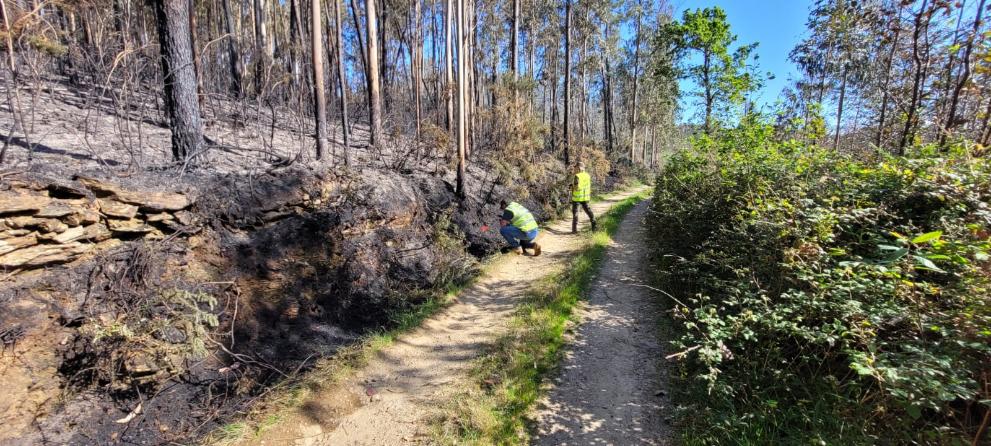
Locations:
column 189, row 313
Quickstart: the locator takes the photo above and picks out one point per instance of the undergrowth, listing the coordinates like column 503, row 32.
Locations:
column 506, row 382
column 826, row 298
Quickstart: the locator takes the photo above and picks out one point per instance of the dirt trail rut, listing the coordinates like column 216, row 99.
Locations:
column 609, row 391
column 390, row 400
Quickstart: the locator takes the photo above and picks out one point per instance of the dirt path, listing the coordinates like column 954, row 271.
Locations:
column 390, row 401
column 608, row 391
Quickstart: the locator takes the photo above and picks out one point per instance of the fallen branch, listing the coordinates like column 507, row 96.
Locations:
column 659, row 291
column 681, row 353
column 130, row 416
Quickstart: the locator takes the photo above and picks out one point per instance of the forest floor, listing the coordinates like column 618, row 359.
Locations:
column 395, row 397
column 608, row 391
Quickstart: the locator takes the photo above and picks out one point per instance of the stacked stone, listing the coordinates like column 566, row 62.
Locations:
column 56, row 222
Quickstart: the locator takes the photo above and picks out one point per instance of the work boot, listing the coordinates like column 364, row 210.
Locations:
column 520, row 251
column 593, row 225
column 536, row 249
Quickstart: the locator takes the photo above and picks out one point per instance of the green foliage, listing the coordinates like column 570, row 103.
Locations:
column 824, row 298
column 722, row 75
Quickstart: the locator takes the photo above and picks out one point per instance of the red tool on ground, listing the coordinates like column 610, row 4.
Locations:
column 485, row 228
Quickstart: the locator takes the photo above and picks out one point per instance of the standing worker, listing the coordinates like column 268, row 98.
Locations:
column 519, row 228
column 581, row 193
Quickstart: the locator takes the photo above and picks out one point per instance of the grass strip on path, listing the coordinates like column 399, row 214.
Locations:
column 506, row 382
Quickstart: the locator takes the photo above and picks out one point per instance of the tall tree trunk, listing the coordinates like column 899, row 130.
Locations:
column 514, row 41
column 531, row 63
column 839, row 108
column 180, row 77
column 472, row 74
column 636, row 90
column 607, row 96
column 13, row 94
column 462, row 99
column 417, row 62
column 583, row 81
column 567, row 82
column 435, row 64
column 342, row 80
column 964, row 77
column 319, row 96
column 555, row 130
column 196, row 52
column 374, row 94
column 653, row 147
column 233, row 52
column 607, row 139
column 917, row 85
column 384, row 50
column 879, row 136
column 449, row 16
column 264, row 46
column 295, row 41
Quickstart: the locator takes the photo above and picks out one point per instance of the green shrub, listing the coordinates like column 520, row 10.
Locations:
column 825, row 299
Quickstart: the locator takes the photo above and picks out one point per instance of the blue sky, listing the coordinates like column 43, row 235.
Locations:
column 777, row 24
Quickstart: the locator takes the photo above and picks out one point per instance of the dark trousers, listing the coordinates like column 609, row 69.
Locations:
column 574, row 214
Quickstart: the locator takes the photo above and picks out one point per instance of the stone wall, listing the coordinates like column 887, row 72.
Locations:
column 45, row 223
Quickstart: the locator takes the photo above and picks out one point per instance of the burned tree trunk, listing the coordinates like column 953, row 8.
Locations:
column 179, row 74
column 514, row 54
column 449, row 63
column 263, row 45
column 319, row 98
column 567, row 81
column 237, row 71
column 374, row 93
column 417, row 62
column 462, row 98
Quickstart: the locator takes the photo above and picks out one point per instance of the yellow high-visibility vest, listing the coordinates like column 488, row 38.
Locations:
column 584, row 190
column 522, row 218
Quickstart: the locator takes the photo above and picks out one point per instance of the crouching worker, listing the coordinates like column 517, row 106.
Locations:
column 519, row 228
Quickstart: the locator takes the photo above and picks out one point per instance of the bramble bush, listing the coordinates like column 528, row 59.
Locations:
column 823, row 298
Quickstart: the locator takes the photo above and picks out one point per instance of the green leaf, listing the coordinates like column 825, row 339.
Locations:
column 914, row 411
column 896, row 255
column 927, row 237
column 924, row 263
